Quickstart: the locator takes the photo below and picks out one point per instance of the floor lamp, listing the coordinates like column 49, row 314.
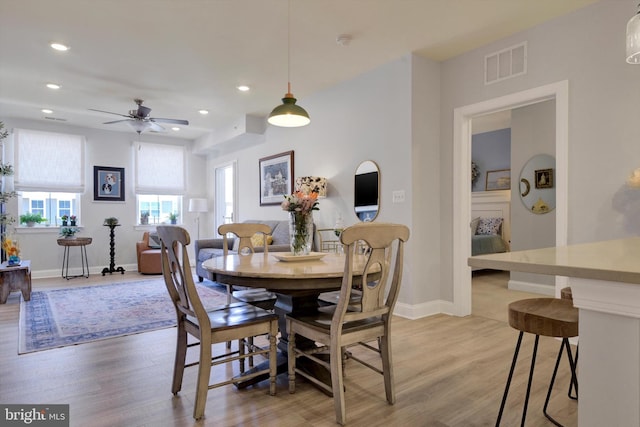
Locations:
column 198, row 205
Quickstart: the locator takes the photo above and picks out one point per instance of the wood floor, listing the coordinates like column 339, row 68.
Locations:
column 449, row 371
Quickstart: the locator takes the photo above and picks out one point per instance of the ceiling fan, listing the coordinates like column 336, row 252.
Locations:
column 139, row 119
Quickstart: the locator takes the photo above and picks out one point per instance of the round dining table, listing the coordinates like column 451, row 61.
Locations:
column 296, row 281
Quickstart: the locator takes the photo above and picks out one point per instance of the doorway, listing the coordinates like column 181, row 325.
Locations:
column 225, row 206
column 462, row 177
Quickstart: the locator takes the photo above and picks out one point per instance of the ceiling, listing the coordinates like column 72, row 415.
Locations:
column 181, row 56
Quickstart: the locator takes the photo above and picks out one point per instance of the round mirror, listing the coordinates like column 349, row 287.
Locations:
column 537, row 184
column 367, row 191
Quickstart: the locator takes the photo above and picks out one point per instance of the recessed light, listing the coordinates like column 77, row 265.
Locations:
column 175, row 128
column 243, row 88
column 53, row 86
column 47, row 111
column 203, row 112
column 60, row 47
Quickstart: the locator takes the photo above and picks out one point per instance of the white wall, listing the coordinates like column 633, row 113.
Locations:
column 367, row 118
column 587, row 48
column 533, row 132
column 104, row 148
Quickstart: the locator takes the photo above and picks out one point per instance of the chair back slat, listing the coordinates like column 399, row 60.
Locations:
column 178, row 278
column 244, row 232
column 380, row 289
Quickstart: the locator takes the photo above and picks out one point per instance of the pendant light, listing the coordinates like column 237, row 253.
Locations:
column 289, row 114
column 633, row 39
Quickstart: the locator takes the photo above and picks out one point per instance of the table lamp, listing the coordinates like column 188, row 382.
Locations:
column 198, row 205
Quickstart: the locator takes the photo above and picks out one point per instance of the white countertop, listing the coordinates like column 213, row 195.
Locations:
column 613, row 260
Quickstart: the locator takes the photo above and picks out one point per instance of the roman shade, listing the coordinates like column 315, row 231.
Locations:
column 160, row 169
column 47, row 161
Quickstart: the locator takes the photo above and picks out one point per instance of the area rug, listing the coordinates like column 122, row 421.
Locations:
column 62, row 317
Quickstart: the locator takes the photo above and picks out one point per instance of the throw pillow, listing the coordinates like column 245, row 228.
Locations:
column 489, row 226
column 257, row 240
column 474, row 225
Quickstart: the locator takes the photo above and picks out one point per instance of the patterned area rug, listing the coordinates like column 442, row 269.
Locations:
column 58, row 318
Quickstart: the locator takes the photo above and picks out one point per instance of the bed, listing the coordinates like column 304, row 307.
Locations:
column 490, row 224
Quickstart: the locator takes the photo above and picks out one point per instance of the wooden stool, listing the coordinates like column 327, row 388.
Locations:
column 550, row 317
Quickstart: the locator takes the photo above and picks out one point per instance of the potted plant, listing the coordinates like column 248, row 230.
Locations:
column 144, row 217
column 173, row 217
column 72, row 218
column 64, row 219
column 111, row 221
column 68, row 232
column 31, row 219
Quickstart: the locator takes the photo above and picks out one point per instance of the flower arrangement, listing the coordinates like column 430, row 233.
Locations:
column 300, row 203
column 10, row 246
column 300, row 206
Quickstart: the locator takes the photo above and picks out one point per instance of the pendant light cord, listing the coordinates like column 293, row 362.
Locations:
column 289, row 47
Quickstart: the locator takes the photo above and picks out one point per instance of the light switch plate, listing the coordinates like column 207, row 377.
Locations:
column 398, row 196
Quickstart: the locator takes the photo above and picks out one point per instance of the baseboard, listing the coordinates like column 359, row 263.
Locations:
column 413, row 312
column 536, row 288
column 95, row 270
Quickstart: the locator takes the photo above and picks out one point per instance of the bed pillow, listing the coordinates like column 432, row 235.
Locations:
column 474, row 225
column 489, row 226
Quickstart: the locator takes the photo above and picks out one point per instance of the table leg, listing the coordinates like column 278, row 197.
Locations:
column 285, row 304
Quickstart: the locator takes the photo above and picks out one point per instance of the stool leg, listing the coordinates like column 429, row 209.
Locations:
column 574, row 381
column 506, row 389
column 533, row 364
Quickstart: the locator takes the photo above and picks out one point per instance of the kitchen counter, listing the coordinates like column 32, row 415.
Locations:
column 605, row 282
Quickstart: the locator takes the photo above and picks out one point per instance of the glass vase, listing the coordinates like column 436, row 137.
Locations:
column 300, row 232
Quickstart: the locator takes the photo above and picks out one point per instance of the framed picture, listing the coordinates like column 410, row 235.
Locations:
column 498, row 180
column 108, row 184
column 544, row 178
column 276, row 178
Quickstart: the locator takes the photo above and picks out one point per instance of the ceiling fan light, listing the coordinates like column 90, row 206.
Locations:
column 288, row 114
column 633, row 40
column 139, row 125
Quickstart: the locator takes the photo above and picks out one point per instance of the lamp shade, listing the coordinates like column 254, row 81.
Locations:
column 198, row 205
column 633, row 40
column 308, row 184
column 289, row 114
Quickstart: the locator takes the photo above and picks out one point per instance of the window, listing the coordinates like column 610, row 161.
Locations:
column 159, row 207
column 159, row 181
column 49, row 173
column 50, row 206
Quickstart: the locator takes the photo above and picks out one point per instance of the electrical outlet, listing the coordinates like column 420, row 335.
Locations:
column 398, row 196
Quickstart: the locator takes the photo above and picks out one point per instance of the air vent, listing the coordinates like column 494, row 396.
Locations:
column 506, row 63
column 56, row 119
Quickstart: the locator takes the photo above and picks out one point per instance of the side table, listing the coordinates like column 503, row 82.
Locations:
column 15, row 278
column 82, row 242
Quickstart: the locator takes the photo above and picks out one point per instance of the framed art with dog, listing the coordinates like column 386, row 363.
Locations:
column 108, row 184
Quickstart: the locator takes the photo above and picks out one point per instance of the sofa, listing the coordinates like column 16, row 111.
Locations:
column 149, row 256
column 208, row 248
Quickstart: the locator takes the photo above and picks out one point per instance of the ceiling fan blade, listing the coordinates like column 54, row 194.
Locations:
column 116, row 121
column 109, row 112
column 174, row 121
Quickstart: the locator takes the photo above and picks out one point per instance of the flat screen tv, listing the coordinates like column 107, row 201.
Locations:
column 366, row 189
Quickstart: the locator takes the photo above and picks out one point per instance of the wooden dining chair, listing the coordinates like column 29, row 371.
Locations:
column 337, row 327
column 246, row 233
column 210, row 326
